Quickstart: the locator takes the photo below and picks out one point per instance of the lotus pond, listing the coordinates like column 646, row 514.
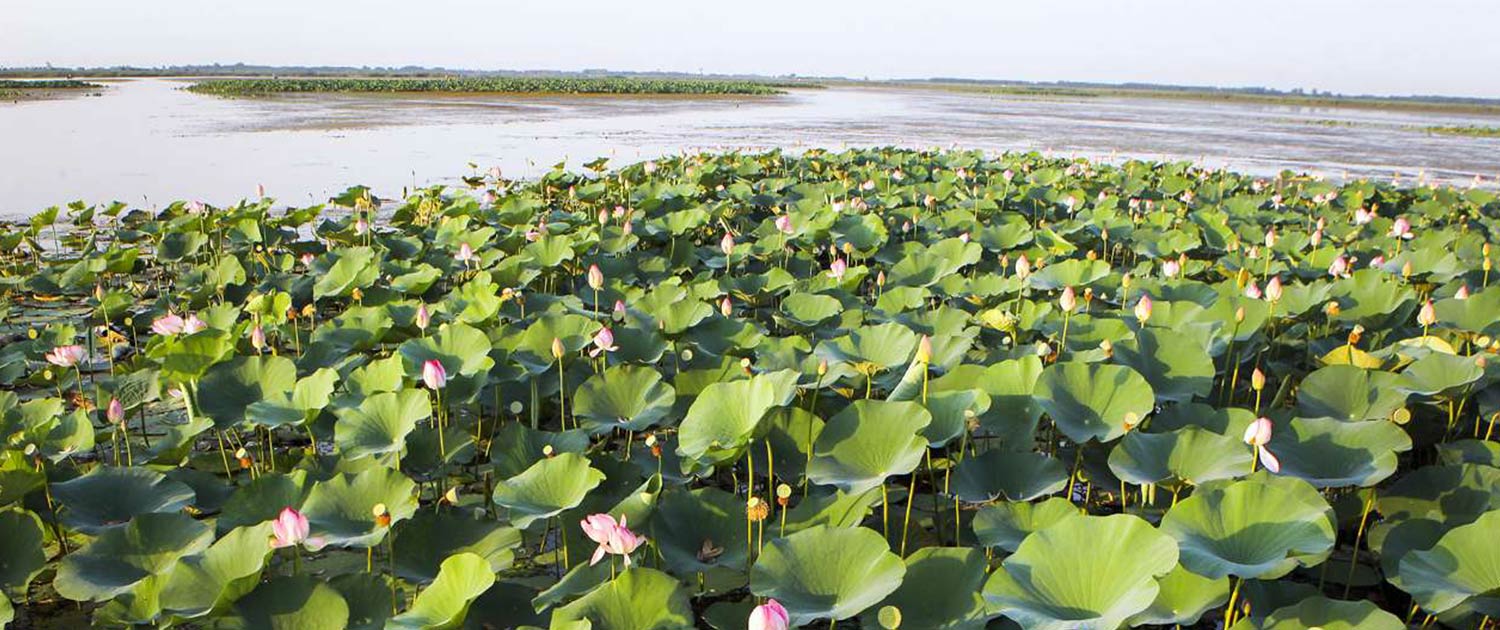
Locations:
column 875, row 389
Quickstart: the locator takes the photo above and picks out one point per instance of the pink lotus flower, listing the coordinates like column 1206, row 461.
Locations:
column 65, row 356
column 1316, row 239
column 1258, row 434
column 604, row 341
column 1462, row 293
column 1401, row 228
column 193, row 325
column 290, row 529
column 613, row 538
column 1023, row 267
column 1428, row 315
column 494, row 172
column 1377, row 261
column 1252, row 291
column 620, row 309
column 1143, row 309
column 1363, row 216
column 1171, row 268
column 726, row 244
column 770, row 616
column 115, row 412
column 424, row 317
column 465, row 253
column 726, row 307
column 596, row 278
column 1339, row 268
column 784, row 224
column 837, row 269
column 434, row 375
column 1273, row 289
column 168, row 324
column 361, row 226
column 1270, row 238
column 258, row 338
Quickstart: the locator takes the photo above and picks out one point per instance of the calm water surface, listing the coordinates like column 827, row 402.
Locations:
column 147, row 142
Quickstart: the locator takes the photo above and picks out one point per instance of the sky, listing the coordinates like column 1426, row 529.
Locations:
column 1348, row 46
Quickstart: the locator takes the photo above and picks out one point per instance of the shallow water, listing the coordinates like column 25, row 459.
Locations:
column 147, row 142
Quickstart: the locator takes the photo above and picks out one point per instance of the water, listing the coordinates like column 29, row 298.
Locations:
column 147, row 142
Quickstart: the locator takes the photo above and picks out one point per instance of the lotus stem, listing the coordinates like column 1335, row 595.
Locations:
column 562, row 396
column 1359, row 534
column 224, row 455
column 1234, row 596
column 911, row 497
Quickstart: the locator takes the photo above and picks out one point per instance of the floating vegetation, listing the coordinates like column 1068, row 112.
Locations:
column 517, row 85
column 1465, row 130
column 46, row 84
column 876, row 388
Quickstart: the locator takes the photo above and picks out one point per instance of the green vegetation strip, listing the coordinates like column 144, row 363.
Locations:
column 868, row 389
column 46, row 84
column 519, row 85
column 1472, row 131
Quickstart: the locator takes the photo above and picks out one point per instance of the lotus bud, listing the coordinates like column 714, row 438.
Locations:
column 1107, row 347
column 361, row 226
column 924, row 350
column 1270, row 238
column 1239, row 315
column 434, row 376
column 1257, row 380
column 115, row 412
column 424, row 318
column 1252, row 291
column 603, row 217
column 1068, row 300
column 1125, row 281
column 1316, row 239
column 465, row 253
column 769, row 616
column 1273, row 289
column 726, row 307
column 595, row 277
column 726, row 244
column 1170, row 269
column 1023, row 267
column 1428, row 315
column 784, row 224
column 557, row 348
column 1339, row 268
column 1143, row 309
column 822, row 368
column 1462, row 293
column 619, row 311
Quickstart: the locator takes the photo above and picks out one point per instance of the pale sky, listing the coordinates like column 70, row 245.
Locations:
column 1352, row 46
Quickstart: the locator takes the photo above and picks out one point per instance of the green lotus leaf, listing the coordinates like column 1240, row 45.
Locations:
column 872, row 348
column 1013, row 411
column 1330, row 453
column 208, row 583
column 725, row 416
column 921, row 267
column 122, row 557
column 1462, row 569
column 868, row 441
column 463, row 350
column 834, row 509
column 1177, row 365
column 533, row 348
column 1010, row 476
column 1374, row 298
column 187, row 357
column 262, row 498
column 308, row 397
column 791, row 433
column 1089, row 573
column 517, row 447
column 951, row 411
column 1094, row 400
column 547, row 488
column 341, row 271
column 1475, row 314
column 1074, row 272
column 368, row 597
column 1321, row 613
column 808, row 309
column 1261, row 527
column 639, row 599
column 1349, row 393
column 7, row 612
column 340, row 509
column 229, row 388
column 628, row 397
column 442, row 605
column 699, row 530
column 506, row 604
column 380, row 424
column 1439, row 374
column 1006, row 524
column 423, row 541
column 22, row 554
column 1457, row 452
column 109, row 497
column 1183, row 598
column 1190, row 454
column 283, row 603
column 941, row 591
column 825, row 572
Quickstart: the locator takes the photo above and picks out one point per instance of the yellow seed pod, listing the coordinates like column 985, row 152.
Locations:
column 889, row 617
